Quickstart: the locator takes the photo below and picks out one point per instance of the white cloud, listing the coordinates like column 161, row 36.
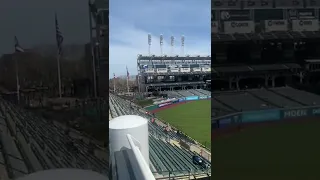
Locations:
column 129, row 31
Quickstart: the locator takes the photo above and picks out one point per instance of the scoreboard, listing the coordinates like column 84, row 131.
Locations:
column 235, row 16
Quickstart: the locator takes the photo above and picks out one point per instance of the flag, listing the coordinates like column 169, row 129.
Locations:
column 17, row 46
column 127, row 73
column 59, row 36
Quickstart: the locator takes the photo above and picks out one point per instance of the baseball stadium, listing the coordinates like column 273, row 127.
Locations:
column 265, row 98
column 177, row 114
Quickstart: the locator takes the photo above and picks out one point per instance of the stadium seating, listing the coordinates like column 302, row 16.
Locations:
column 164, row 156
column 29, row 143
column 258, row 99
column 186, row 93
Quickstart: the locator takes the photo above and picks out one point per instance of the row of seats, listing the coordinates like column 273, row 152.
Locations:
column 29, row 143
column 261, row 99
column 186, row 93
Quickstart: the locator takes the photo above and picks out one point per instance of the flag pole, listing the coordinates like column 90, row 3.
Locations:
column 128, row 84
column 94, row 70
column 127, row 79
column 59, row 73
column 93, row 46
column 114, row 83
column 17, row 79
column 17, row 49
column 59, row 39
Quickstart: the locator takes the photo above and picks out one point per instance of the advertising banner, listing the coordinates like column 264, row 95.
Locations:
column 235, row 15
column 260, row 116
column 182, row 99
column 191, row 98
column 225, row 122
column 202, row 97
column 231, row 27
column 315, row 111
column 305, row 25
column 175, row 101
column 215, row 27
column 301, row 14
column 295, row 113
column 276, row 25
column 249, row 4
column 164, row 104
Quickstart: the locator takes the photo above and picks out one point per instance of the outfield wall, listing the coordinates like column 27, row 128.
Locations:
column 264, row 116
column 178, row 100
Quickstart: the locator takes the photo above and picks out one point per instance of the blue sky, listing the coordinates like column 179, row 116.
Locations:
column 132, row 21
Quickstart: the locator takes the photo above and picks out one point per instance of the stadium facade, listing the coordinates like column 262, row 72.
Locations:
column 172, row 72
column 263, row 45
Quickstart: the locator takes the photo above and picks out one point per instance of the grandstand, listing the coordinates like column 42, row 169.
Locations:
column 174, row 72
column 30, row 143
column 263, row 44
column 167, row 157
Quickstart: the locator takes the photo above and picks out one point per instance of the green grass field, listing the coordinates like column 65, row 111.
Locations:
column 192, row 118
column 278, row 152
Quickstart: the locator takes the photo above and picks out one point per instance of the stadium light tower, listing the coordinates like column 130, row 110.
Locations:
column 149, row 44
column 161, row 43
column 182, row 45
column 172, row 45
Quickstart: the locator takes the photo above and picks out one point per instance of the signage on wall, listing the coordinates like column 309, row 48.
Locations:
column 239, row 27
column 237, row 4
column 276, row 25
column 301, row 14
column 305, row 25
column 235, row 15
column 263, row 4
column 295, row 113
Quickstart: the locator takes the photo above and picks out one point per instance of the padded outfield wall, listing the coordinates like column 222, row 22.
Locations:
column 271, row 115
column 179, row 100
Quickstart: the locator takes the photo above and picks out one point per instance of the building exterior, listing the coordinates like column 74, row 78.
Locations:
column 158, row 73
